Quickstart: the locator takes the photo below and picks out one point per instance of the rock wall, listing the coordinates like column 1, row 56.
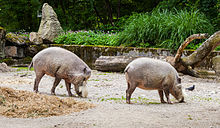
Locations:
column 90, row 53
column 2, row 42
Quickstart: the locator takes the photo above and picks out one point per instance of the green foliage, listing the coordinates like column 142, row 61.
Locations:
column 164, row 28
column 211, row 8
column 18, row 15
column 87, row 38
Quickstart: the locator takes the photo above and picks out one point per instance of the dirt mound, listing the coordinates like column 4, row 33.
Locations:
column 24, row 104
column 4, row 68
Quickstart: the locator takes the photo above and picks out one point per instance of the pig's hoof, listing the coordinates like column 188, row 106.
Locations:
column 52, row 93
column 71, row 95
column 128, row 102
column 169, row 102
column 163, row 102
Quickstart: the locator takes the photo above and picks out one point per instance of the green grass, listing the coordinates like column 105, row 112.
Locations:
column 87, row 38
column 23, row 68
column 140, row 100
column 163, row 28
column 189, row 117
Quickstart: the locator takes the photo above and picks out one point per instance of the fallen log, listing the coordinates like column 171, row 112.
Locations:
column 112, row 63
column 187, row 64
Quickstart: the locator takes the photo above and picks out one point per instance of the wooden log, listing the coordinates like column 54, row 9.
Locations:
column 112, row 63
column 187, row 64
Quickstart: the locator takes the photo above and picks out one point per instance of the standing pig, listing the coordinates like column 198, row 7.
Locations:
column 61, row 64
column 152, row 74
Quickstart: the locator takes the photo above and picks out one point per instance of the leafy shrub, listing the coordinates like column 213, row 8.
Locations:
column 164, row 28
column 87, row 38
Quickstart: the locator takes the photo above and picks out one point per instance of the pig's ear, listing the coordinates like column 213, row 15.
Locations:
column 86, row 71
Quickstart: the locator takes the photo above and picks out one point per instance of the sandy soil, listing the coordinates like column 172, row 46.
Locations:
column 107, row 91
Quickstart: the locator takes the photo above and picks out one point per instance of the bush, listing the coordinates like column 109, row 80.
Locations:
column 164, row 28
column 87, row 38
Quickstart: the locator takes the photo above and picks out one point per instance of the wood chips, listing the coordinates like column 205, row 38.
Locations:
column 24, row 104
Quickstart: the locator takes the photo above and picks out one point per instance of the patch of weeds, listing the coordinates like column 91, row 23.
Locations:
column 105, row 80
column 154, row 103
column 23, row 68
column 122, row 99
column 61, row 86
column 203, row 98
column 102, row 74
column 189, row 117
column 93, row 80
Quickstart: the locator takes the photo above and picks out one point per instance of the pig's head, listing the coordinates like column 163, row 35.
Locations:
column 177, row 92
column 79, row 81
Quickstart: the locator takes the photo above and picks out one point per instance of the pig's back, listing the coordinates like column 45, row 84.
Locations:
column 56, row 54
column 148, row 67
column 51, row 58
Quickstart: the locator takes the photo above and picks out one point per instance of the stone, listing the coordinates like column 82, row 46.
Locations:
column 2, row 42
column 13, row 51
column 35, row 38
column 17, row 40
column 4, row 67
column 50, row 27
column 216, row 65
column 113, row 63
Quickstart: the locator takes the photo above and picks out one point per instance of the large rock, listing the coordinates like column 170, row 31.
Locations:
column 14, row 51
column 5, row 68
column 35, row 38
column 216, row 65
column 16, row 40
column 113, row 63
column 2, row 42
column 50, row 27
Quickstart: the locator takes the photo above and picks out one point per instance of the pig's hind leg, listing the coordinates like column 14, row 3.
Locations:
column 129, row 91
column 56, row 82
column 37, row 80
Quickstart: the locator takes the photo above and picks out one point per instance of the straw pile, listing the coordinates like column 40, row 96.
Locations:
column 24, row 104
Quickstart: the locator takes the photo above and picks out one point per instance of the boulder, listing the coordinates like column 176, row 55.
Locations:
column 5, row 68
column 16, row 40
column 50, row 27
column 113, row 63
column 35, row 38
column 2, row 42
column 14, row 51
column 216, row 65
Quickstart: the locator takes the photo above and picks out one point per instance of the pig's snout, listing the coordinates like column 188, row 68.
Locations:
column 83, row 92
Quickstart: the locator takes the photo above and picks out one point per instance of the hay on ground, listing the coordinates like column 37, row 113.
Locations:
column 24, row 104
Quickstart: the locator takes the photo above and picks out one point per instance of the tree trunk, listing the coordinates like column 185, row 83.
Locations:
column 186, row 64
column 118, row 10
column 109, row 9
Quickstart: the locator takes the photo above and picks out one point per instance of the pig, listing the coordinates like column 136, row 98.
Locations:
column 61, row 64
column 152, row 74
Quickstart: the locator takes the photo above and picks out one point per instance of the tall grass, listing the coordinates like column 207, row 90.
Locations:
column 87, row 38
column 164, row 28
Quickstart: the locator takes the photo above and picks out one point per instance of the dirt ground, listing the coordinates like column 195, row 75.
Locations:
column 107, row 91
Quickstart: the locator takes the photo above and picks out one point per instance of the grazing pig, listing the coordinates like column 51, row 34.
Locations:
column 152, row 74
column 61, row 64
